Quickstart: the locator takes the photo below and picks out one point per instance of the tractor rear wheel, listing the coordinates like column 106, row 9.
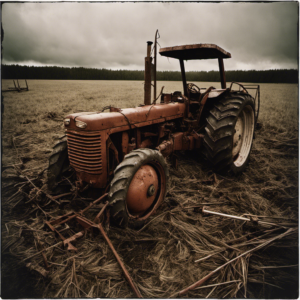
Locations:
column 229, row 133
column 139, row 186
column 58, row 162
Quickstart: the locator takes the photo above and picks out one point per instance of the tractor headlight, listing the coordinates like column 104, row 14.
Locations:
column 80, row 124
column 67, row 121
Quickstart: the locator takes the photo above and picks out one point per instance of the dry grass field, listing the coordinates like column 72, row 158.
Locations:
column 180, row 245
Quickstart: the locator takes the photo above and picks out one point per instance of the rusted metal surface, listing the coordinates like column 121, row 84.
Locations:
column 195, row 51
column 86, row 151
column 73, row 237
column 135, row 116
column 138, row 138
column 203, row 102
column 151, row 178
column 147, row 85
column 97, row 218
column 88, row 224
column 183, row 77
column 93, row 203
column 128, row 277
column 111, row 146
column 180, row 141
column 167, row 98
column 94, row 152
column 125, row 142
column 70, row 246
column 147, row 143
column 143, row 190
column 155, row 56
column 53, row 224
column 222, row 73
column 87, row 147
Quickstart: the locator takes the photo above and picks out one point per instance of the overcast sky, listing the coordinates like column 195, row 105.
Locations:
column 113, row 35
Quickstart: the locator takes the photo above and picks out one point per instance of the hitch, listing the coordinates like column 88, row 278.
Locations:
column 87, row 225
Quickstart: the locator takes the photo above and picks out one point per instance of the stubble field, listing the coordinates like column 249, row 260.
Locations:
column 161, row 256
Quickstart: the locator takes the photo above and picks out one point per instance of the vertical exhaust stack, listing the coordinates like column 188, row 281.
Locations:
column 147, row 86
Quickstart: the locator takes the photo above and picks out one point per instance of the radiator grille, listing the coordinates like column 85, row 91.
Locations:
column 84, row 149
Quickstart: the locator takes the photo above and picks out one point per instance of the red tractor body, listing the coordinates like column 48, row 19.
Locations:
column 123, row 150
column 88, row 148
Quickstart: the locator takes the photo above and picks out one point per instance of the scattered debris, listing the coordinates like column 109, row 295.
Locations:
column 263, row 244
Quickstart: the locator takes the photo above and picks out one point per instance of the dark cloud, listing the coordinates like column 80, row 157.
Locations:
column 114, row 35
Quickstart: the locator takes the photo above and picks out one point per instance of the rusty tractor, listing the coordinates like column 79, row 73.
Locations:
column 122, row 152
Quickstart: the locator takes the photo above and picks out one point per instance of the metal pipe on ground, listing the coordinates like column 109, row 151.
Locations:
column 128, row 277
column 255, row 220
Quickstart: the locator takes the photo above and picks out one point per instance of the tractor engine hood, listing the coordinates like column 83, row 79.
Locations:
column 132, row 117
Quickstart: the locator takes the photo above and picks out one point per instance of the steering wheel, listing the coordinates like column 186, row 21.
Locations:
column 193, row 88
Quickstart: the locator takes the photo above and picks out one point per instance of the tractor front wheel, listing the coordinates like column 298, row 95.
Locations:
column 139, row 186
column 229, row 133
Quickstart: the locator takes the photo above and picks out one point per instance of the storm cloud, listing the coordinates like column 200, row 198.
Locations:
column 113, row 35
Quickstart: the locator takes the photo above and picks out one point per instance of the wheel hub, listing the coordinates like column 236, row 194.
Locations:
column 238, row 136
column 242, row 139
column 151, row 190
column 143, row 190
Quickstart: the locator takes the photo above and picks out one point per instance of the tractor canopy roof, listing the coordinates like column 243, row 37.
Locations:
column 196, row 51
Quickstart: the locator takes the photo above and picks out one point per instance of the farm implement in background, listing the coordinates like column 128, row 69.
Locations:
column 17, row 87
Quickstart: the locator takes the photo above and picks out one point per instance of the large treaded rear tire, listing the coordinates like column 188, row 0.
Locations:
column 123, row 176
column 58, row 162
column 224, row 147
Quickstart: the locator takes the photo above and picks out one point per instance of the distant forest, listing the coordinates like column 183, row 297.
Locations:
column 30, row 72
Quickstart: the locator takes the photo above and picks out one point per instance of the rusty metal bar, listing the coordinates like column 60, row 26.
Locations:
column 147, row 85
column 70, row 246
column 93, row 203
column 239, row 218
column 60, row 220
column 183, row 77
column 57, row 222
column 129, row 279
column 154, row 73
column 222, row 73
column 97, row 219
column 74, row 237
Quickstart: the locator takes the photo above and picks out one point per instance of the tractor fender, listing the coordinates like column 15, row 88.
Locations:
column 210, row 93
column 216, row 93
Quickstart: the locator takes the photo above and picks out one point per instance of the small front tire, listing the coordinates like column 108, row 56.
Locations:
column 138, row 188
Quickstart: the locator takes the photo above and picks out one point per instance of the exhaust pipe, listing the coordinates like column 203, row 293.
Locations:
column 147, row 85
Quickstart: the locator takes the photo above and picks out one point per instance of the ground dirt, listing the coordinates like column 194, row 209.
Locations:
column 179, row 245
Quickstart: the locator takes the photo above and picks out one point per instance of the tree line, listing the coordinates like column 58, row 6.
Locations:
column 80, row 73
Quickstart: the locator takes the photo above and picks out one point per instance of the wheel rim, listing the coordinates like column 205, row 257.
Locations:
column 243, row 136
column 146, row 191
